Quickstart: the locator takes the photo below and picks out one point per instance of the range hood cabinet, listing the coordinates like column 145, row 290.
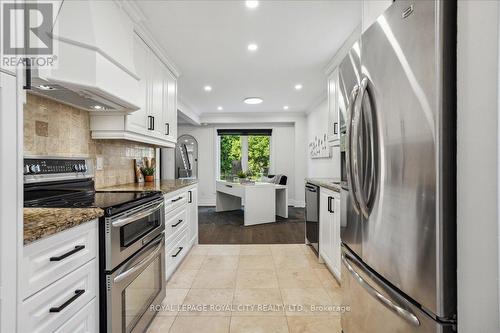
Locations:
column 94, row 71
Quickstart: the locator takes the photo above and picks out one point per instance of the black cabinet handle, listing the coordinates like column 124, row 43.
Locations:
column 175, row 225
column 335, row 128
column 67, row 254
column 190, row 196
column 174, row 200
column 153, row 127
column 175, row 255
column 330, row 205
column 150, row 123
column 167, row 129
column 78, row 293
column 28, row 86
column 229, row 186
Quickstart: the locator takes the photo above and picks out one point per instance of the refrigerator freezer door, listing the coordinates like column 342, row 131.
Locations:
column 349, row 74
column 376, row 307
column 405, row 232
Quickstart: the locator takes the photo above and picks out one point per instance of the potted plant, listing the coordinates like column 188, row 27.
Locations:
column 242, row 176
column 149, row 174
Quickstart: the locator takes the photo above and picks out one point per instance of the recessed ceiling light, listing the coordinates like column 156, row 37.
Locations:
column 252, row 47
column 298, row 86
column 97, row 107
column 253, row 100
column 252, row 4
column 45, row 87
column 285, row 107
column 220, row 108
column 207, row 88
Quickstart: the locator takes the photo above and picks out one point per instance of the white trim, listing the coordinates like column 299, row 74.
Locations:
column 251, row 117
column 99, row 51
column 124, row 135
column 188, row 112
column 343, row 50
column 142, row 30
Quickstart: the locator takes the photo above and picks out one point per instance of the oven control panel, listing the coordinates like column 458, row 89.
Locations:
column 33, row 166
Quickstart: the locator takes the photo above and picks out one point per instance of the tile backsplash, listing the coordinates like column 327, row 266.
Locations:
column 56, row 129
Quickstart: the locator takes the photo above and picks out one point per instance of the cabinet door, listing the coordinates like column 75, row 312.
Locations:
column 325, row 233
column 333, row 108
column 193, row 215
column 156, row 112
column 138, row 121
column 170, row 110
column 336, row 236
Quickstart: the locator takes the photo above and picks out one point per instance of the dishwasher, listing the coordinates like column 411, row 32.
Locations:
column 312, row 216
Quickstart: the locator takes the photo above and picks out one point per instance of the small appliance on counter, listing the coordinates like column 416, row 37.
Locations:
column 131, row 237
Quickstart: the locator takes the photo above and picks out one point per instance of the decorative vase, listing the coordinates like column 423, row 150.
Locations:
column 149, row 179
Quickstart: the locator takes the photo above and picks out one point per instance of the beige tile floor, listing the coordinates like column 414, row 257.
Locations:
column 249, row 289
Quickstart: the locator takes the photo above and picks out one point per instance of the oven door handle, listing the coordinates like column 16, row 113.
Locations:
column 122, row 276
column 135, row 217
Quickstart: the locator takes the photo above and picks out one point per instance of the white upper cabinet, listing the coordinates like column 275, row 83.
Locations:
column 372, row 10
column 333, row 108
column 156, row 120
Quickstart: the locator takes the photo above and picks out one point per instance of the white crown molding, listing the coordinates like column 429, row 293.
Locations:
column 141, row 29
column 343, row 50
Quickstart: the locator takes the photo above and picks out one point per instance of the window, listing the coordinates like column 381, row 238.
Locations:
column 244, row 150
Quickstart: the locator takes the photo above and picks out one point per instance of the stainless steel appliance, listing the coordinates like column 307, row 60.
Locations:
column 131, row 237
column 312, row 216
column 399, row 231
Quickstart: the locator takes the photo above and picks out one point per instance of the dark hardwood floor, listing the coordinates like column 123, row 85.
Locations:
column 227, row 228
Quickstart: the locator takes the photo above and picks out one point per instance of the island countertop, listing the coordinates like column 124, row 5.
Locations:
column 43, row 222
column 165, row 186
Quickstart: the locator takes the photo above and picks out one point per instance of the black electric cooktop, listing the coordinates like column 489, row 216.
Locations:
column 80, row 195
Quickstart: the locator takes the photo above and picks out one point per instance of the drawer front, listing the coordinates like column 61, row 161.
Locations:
column 176, row 253
column 55, row 305
column 232, row 189
column 174, row 201
column 175, row 222
column 84, row 321
column 48, row 260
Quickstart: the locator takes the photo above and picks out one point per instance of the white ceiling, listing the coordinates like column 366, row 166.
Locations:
column 207, row 40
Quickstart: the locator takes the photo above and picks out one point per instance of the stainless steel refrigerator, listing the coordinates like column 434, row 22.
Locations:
column 398, row 230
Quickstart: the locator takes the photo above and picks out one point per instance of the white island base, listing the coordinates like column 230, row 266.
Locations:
column 263, row 201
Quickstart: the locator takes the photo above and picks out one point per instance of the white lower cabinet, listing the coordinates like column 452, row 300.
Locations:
column 329, row 229
column 84, row 321
column 181, row 226
column 60, row 282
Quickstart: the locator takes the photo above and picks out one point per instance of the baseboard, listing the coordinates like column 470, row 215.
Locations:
column 205, row 203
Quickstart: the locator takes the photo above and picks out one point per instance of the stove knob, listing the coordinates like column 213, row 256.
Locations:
column 76, row 167
column 35, row 168
column 83, row 167
column 26, row 169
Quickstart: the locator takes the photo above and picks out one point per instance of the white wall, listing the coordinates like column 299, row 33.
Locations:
column 477, row 162
column 317, row 124
column 286, row 144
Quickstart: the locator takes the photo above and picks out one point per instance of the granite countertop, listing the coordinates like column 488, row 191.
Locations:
column 43, row 222
column 165, row 186
column 329, row 183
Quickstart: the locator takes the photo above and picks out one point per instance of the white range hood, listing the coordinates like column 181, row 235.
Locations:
column 95, row 71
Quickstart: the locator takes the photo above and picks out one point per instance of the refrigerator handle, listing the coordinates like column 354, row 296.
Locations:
column 397, row 309
column 353, row 96
column 363, row 198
